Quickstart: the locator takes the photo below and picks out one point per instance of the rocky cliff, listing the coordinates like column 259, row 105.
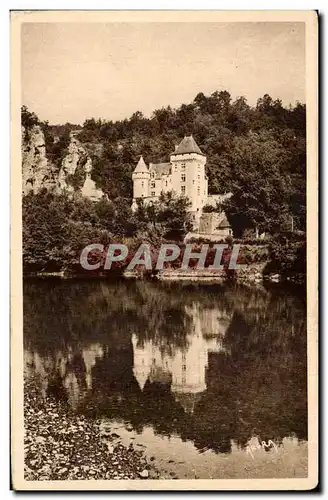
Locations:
column 72, row 175
column 37, row 172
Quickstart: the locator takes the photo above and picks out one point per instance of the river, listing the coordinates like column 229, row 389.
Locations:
column 209, row 381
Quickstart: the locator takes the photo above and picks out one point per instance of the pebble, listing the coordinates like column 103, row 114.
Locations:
column 144, row 474
column 74, row 446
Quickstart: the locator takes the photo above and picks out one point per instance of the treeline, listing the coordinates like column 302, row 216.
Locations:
column 56, row 228
column 256, row 152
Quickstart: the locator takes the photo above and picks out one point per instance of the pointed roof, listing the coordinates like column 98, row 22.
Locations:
column 187, row 145
column 141, row 166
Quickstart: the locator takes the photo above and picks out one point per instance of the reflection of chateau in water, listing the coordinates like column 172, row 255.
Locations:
column 185, row 368
column 193, row 366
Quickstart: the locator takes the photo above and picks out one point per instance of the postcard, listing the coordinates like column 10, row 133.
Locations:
column 164, row 250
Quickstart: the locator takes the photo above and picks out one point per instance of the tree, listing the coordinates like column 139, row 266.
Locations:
column 169, row 216
column 173, row 211
column 257, row 153
column 260, row 189
column 28, row 118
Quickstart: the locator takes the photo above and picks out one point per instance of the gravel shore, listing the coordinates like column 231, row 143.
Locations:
column 61, row 445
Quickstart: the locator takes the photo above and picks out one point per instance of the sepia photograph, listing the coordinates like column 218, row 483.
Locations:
column 164, row 207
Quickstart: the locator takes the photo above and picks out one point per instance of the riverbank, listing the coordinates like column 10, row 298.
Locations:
column 246, row 274
column 61, row 445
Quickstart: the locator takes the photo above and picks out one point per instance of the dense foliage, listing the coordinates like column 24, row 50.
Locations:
column 256, row 153
column 56, row 228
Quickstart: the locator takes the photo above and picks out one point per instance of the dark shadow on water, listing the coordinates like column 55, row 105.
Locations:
column 210, row 364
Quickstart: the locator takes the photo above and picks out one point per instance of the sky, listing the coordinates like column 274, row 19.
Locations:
column 74, row 71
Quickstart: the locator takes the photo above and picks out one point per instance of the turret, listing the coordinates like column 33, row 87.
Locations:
column 141, row 177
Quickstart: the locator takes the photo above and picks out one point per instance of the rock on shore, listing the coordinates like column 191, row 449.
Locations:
column 61, row 445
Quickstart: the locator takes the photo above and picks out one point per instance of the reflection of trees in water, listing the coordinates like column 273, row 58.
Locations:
column 258, row 389
column 58, row 313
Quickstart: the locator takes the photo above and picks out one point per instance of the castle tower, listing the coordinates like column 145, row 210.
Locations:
column 140, row 177
column 188, row 174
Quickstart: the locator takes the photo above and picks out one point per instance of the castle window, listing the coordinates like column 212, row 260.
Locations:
column 152, row 184
column 153, row 174
column 193, row 182
column 142, row 184
column 198, row 190
column 165, row 183
column 183, row 166
column 198, row 177
column 183, row 178
column 152, row 193
column 175, row 169
column 183, row 189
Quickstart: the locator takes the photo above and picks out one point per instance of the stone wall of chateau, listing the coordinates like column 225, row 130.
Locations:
column 209, row 224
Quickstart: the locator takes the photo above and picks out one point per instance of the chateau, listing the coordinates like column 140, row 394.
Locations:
column 185, row 175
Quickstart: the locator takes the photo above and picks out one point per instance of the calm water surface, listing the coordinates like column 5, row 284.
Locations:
column 195, row 375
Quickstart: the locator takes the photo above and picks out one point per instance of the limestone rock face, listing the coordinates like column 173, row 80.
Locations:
column 71, row 161
column 37, row 172
column 89, row 189
column 77, row 158
column 74, row 175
